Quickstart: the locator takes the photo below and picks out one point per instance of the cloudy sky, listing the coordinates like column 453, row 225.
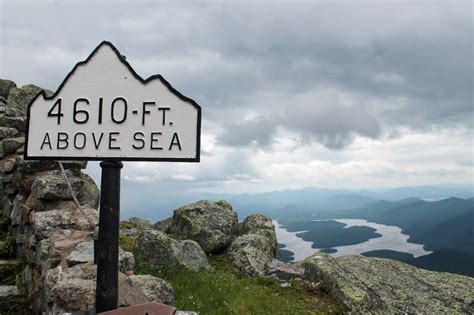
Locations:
column 294, row 94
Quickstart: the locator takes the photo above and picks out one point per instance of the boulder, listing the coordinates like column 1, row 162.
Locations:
column 89, row 195
column 12, row 144
column 7, row 132
column 163, row 225
column 382, row 286
column 285, row 271
column 251, row 253
column 45, row 223
column 156, row 249
column 34, row 166
column 256, row 246
column 84, row 252
column 5, row 87
column 18, row 123
column 21, row 97
column 136, row 223
column 212, row 224
column 53, row 186
column 139, row 289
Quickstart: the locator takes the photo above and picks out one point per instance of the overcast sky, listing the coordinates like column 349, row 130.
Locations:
column 294, row 94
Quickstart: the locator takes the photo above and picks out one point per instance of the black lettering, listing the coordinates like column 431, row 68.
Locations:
column 125, row 108
column 47, row 141
column 153, row 140
column 175, row 141
column 140, row 140
column 146, row 112
column 64, row 138
column 58, row 113
column 112, row 139
column 96, row 144
column 76, row 140
column 101, row 104
column 80, row 111
column 164, row 109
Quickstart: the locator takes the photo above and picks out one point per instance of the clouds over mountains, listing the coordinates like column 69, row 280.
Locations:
column 294, row 80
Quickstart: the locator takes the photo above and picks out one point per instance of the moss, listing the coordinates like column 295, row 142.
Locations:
column 7, row 246
column 127, row 243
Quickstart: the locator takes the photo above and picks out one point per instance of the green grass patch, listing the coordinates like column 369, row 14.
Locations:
column 224, row 291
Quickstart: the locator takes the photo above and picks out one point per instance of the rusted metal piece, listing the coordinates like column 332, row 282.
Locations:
column 108, row 251
column 143, row 309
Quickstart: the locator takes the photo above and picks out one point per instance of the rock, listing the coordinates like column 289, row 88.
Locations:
column 8, row 297
column 12, row 144
column 34, row 166
column 5, row 87
column 8, row 165
column 285, row 271
column 156, row 249
column 213, row 225
column 18, row 123
column 53, row 186
column 47, row 222
column 5, row 206
column 51, row 251
column 149, row 289
column 84, row 252
column 163, row 225
column 260, row 224
column 7, row 132
column 136, row 223
column 71, row 288
column 89, row 194
column 16, row 215
column 178, row 312
column 382, row 286
column 251, row 253
column 21, row 97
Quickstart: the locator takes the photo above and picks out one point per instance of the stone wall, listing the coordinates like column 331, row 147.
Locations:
column 53, row 236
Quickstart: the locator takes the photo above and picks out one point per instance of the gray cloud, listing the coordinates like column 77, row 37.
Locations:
column 400, row 64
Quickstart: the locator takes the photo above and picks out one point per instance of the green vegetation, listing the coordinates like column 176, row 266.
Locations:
column 224, row 291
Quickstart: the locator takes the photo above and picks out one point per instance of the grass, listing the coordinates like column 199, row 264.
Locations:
column 224, row 291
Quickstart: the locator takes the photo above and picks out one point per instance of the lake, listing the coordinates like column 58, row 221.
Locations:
column 386, row 237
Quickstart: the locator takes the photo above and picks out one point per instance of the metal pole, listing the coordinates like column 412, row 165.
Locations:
column 109, row 220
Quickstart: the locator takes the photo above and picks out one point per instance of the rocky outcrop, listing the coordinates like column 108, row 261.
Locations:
column 255, row 247
column 285, row 271
column 212, row 224
column 156, row 249
column 382, row 286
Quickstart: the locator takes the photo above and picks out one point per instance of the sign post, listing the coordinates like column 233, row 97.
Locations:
column 104, row 111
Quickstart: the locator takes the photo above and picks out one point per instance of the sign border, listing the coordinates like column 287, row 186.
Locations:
column 195, row 159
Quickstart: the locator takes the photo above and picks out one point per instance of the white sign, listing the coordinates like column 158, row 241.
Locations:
column 103, row 110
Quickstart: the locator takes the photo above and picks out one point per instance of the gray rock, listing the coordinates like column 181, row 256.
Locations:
column 7, row 132
column 152, row 289
column 53, row 186
column 5, row 87
column 285, row 271
column 12, row 144
column 261, row 225
column 8, row 165
column 21, row 97
column 5, row 206
column 382, row 286
column 89, row 194
column 84, row 252
column 213, row 225
column 135, row 223
column 178, row 312
column 163, row 225
column 45, row 223
column 251, row 253
column 16, row 215
column 71, row 288
column 9, row 268
column 34, row 166
column 156, row 249
column 18, row 123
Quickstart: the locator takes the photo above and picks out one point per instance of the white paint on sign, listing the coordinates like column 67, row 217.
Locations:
column 104, row 110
